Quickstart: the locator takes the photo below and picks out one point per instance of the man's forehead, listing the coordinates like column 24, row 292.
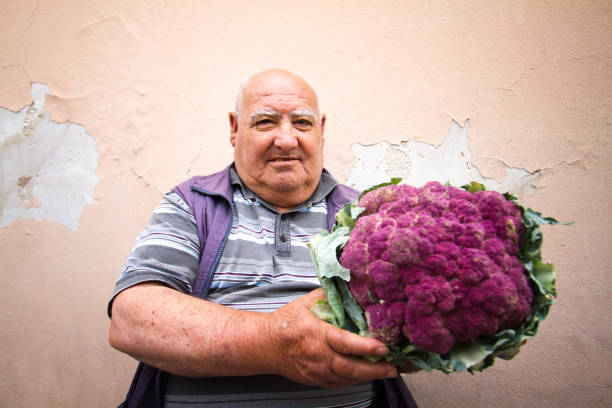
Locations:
column 274, row 104
column 298, row 95
column 279, row 89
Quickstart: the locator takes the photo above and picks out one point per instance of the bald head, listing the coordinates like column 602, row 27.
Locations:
column 274, row 77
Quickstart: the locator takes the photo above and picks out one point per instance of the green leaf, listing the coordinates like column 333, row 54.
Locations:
column 531, row 243
column 351, row 307
column 535, row 218
column 347, row 216
column 323, row 250
column 509, row 353
column 471, row 355
column 393, row 181
column 543, row 274
column 473, row 187
column 323, row 310
column 510, row 197
column 334, row 299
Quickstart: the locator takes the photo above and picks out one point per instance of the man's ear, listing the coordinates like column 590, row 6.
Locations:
column 233, row 122
column 323, row 119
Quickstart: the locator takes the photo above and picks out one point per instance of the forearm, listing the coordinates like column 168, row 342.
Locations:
column 192, row 337
column 188, row 336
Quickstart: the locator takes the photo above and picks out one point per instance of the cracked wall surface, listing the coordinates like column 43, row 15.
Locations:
column 47, row 169
column 516, row 94
column 419, row 162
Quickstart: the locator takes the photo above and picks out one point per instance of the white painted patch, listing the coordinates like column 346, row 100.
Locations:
column 47, row 169
column 417, row 163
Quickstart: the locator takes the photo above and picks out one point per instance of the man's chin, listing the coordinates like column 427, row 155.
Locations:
column 285, row 179
column 285, row 186
column 286, row 192
column 288, row 183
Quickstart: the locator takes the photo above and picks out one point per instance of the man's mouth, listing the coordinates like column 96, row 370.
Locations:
column 282, row 159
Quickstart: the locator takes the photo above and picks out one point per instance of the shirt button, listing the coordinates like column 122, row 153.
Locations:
column 283, row 238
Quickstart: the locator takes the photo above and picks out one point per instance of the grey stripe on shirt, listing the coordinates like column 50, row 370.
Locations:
column 263, row 391
column 167, row 250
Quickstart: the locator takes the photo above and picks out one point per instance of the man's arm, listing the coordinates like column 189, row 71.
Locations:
column 189, row 336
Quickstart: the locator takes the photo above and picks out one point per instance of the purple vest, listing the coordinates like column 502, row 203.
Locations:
column 210, row 198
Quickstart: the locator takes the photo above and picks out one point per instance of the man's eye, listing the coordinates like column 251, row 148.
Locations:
column 302, row 123
column 263, row 123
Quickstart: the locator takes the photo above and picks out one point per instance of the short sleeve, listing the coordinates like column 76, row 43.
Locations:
column 167, row 250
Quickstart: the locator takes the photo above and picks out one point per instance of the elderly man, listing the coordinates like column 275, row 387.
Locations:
column 222, row 250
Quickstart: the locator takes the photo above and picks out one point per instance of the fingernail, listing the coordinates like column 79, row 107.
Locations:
column 382, row 351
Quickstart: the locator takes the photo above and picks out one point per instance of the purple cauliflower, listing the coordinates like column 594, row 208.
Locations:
column 437, row 265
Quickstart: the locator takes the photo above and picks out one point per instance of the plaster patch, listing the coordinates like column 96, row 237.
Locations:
column 418, row 162
column 48, row 170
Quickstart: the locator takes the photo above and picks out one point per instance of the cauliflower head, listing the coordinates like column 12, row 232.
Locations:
column 437, row 264
column 449, row 278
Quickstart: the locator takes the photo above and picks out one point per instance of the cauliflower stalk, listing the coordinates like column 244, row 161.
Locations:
column 449, row 278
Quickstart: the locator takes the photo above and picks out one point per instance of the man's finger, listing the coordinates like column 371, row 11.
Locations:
column 357, row 369
column 345, row 342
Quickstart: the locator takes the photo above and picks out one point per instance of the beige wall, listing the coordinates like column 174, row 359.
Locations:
column 151, row 83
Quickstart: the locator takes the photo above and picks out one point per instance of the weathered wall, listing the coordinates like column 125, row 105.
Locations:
column 137, row 95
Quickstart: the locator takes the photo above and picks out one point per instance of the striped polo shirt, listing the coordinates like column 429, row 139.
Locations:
column 265, row 262
column 264, row 265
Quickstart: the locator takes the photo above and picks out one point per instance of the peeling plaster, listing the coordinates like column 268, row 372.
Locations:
column 418, row 162
column 48, row 170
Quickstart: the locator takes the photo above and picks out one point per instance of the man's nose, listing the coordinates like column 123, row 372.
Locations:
column 286, row 138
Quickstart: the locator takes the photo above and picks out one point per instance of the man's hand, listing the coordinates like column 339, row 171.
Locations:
column 312, row 351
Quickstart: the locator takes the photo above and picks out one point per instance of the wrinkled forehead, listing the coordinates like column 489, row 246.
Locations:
column 279, row 93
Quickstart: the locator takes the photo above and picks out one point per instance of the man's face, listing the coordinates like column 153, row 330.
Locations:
column 278, row 138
